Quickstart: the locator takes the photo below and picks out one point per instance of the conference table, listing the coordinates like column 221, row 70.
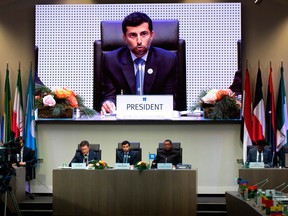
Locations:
column 237, row 206
column 276, row 177
column 124, row 192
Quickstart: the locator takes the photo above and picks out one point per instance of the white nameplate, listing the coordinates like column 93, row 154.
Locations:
column 270, row 192
column 166, row 166
column 78, row 165
column 144, row 106
column 256, row 165
column 122, row 166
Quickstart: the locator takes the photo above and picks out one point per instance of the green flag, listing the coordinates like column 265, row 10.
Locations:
column 7, row 115
column 281, row 115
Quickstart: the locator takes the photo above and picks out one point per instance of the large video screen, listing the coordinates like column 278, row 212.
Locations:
column 65, row 37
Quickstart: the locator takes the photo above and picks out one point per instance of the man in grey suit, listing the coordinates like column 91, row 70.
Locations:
column 260, row 154
column 159, row 66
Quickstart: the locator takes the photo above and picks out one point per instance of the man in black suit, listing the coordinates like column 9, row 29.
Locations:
column 26, row 158
column 159, row 67
column 260, row 154
column 126, row 155
column 168, row 155
column 85, row 155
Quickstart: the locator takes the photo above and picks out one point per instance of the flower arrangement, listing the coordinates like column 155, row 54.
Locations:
column 219, row 104
column 59, row 102
column 141, row 165
column 99, row 164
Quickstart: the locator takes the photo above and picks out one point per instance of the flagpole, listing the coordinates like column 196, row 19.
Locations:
column 281, row 62
column 19, row 65
column 258, row 63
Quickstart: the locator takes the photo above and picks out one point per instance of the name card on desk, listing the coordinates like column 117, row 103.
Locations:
column 78, row 165
column 144, row 107
column 164, row 166
column 122, row 166
column 256, row 165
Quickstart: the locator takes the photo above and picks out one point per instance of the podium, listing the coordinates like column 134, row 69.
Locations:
column 124, row 192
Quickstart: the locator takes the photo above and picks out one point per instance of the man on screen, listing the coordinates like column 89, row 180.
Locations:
column 85, row 155
column 157, row 67
column 260, row 154
column 126, row 155
column 168, row 155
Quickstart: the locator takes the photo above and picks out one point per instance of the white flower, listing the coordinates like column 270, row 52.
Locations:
column 210, row 97
column 48, row 100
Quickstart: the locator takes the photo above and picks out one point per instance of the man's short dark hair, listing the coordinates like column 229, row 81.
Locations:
column 135, row 19
column 261, row 143
column 168, row 140
column 125, row 142
column 84, row 143
column 18, row 139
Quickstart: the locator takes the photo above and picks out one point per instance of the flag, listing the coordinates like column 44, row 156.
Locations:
column 30, row 129
column 17, row 115
column 6, row 132
column 270, row 114
column 281, row 115
column 258, row 111
column 246, row 129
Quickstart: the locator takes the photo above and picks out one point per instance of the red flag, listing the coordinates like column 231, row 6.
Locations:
column 258, row 111
column 270, row 114
column 247, row 116
column 17, row 115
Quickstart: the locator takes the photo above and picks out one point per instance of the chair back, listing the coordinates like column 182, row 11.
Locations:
column 166, row 37
column 176, row 147
column 134, row 146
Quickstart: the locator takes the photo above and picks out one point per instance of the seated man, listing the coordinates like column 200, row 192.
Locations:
column 126, row 155
column 85, row 156
column 168, row 155
column 26, row 159
column 260, row 154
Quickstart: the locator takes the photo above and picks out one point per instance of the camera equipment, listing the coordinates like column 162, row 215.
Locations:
column 8, row 155
column 9, row 151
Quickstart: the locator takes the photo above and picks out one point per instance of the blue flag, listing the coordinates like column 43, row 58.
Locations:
column 30, row 128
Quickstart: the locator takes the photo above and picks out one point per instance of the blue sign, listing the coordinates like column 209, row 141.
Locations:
column 152, row 156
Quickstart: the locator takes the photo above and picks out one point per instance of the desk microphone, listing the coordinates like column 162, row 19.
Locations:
column 280, row 185
column 284, row 188
column 263, row 184
column 264, row 181
column 86, row 158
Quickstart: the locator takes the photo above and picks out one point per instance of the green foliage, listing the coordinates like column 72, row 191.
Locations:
column 226, row 108
column 199, row 104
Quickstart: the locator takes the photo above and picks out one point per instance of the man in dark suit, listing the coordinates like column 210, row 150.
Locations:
column 168, row 155
column 85, row 155
column 159, row 69
column 26, row 158
column 126, row 155
column 260, row 154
